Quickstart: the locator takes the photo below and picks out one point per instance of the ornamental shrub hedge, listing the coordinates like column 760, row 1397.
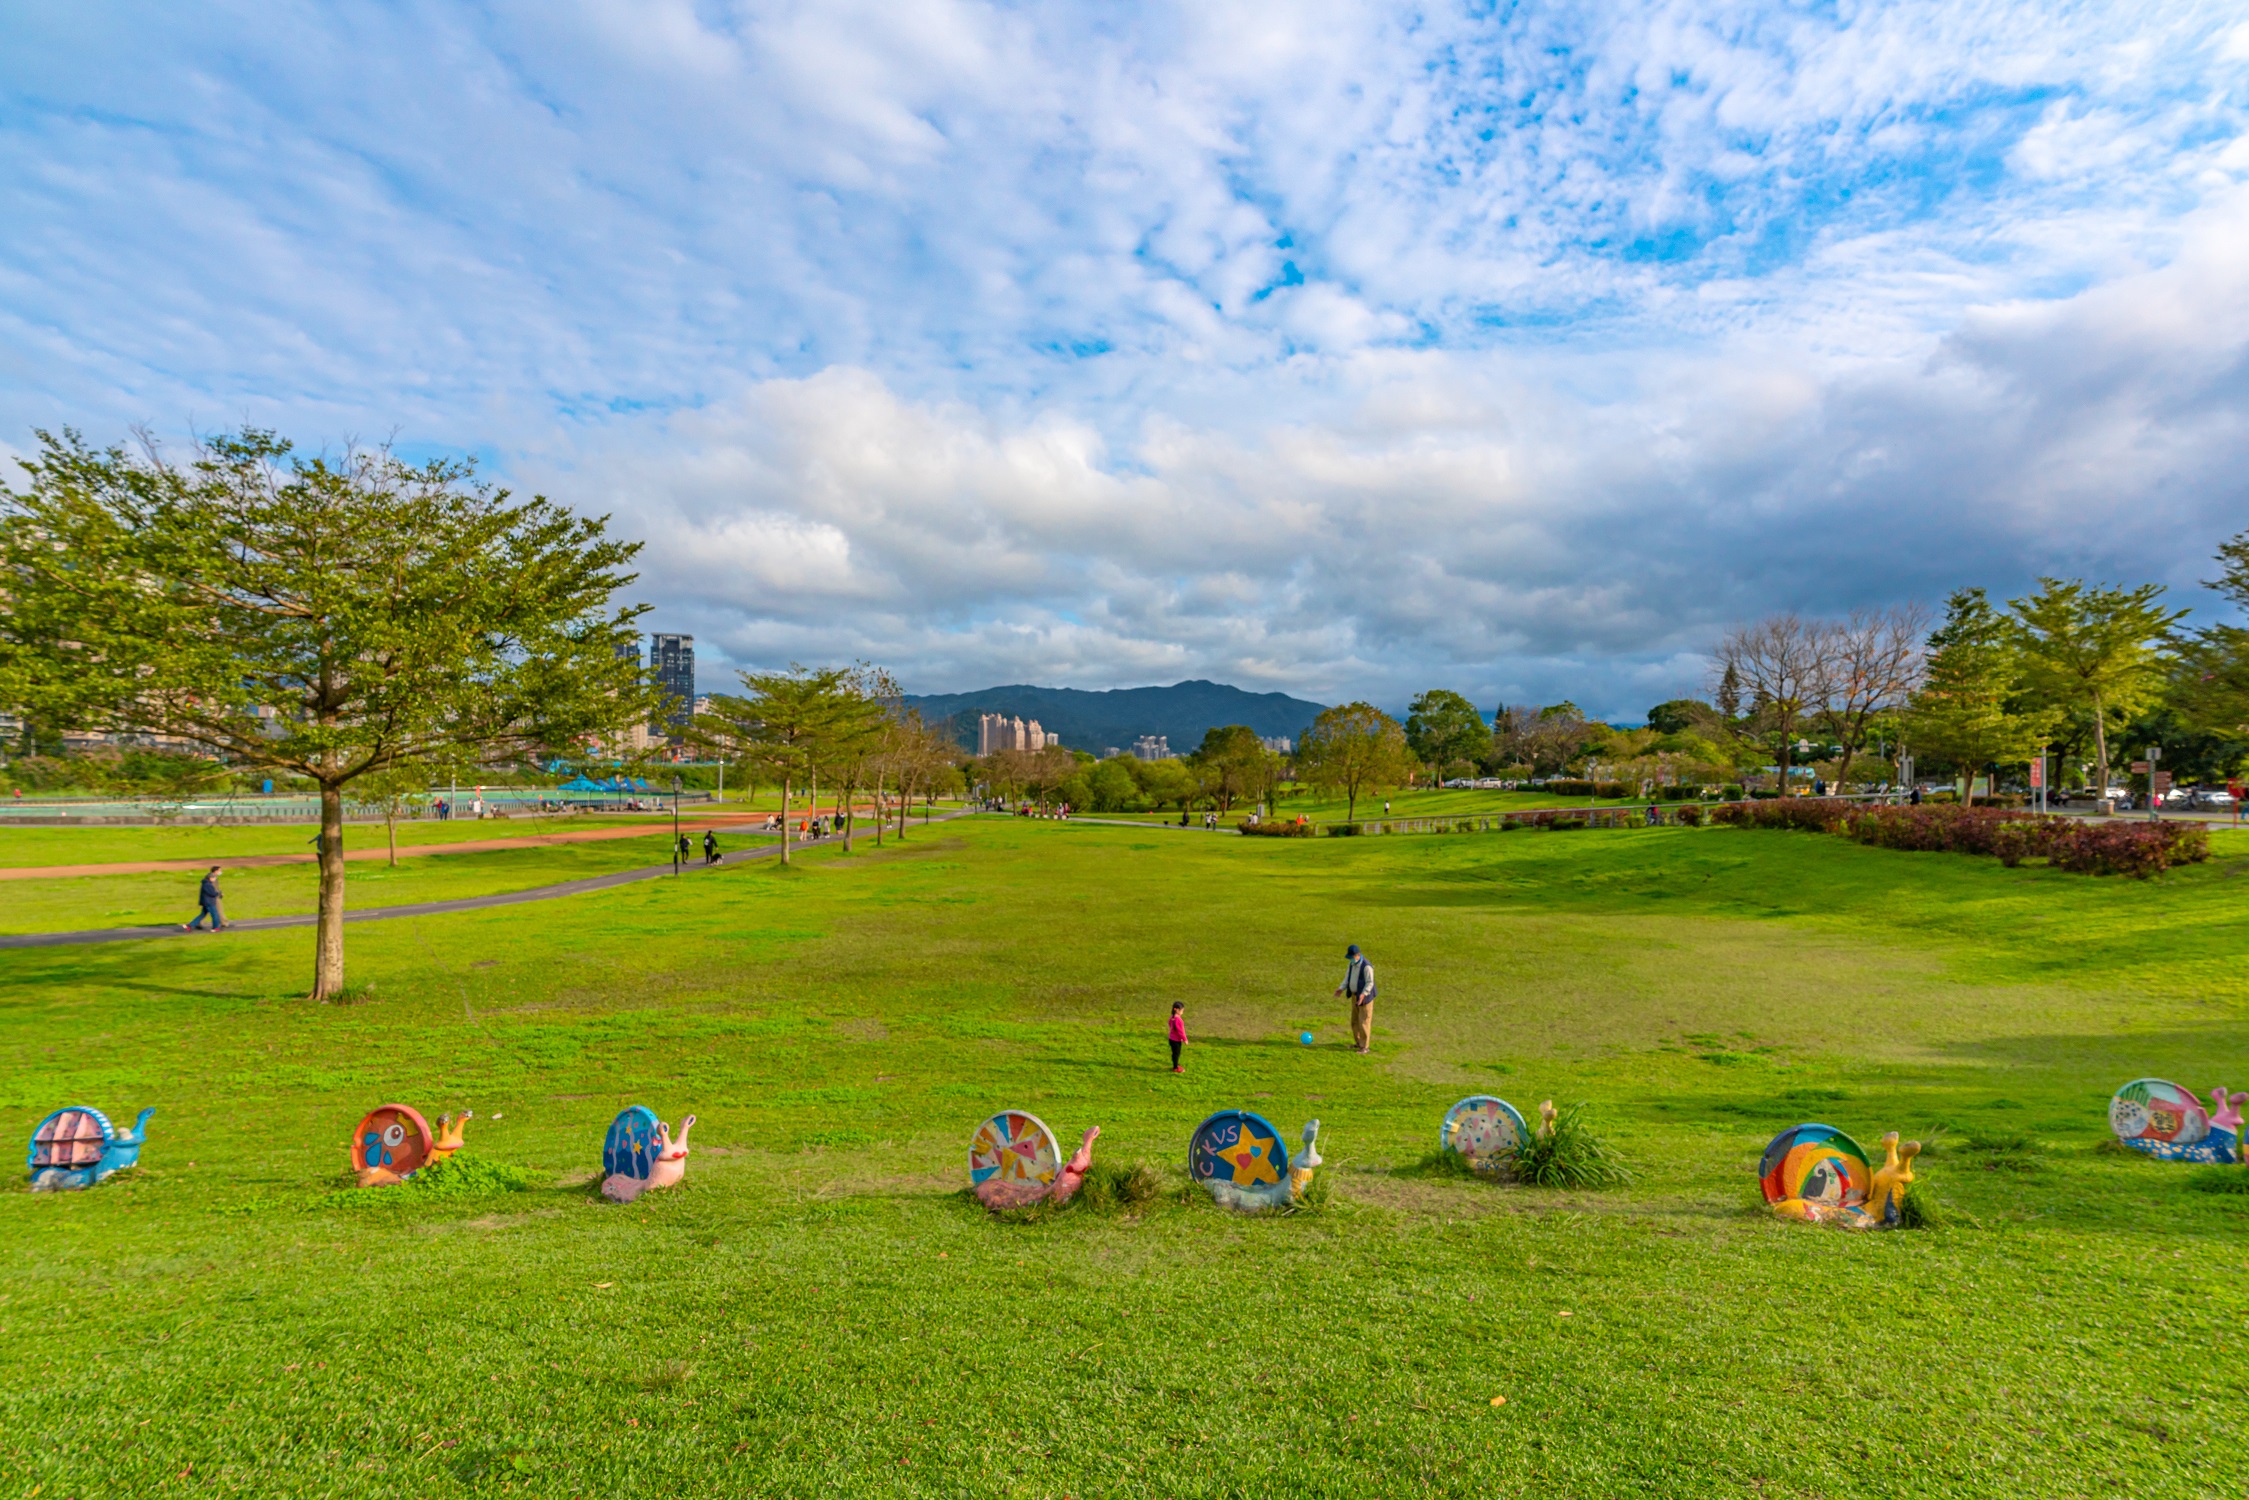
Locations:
column 1277, row 830
column 2006, row 834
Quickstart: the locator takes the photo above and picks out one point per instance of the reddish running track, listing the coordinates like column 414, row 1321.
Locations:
column 465, row 846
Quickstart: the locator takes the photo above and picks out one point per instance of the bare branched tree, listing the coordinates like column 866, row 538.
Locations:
column 1780, row 663
column 1870, row 663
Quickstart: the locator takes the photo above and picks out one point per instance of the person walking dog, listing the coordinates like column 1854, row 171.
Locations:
column 207, row 901
column 1358, row 983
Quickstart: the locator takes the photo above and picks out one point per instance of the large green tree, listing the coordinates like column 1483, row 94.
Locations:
column 1355, row 749
column 2102, row 649
column 1443, row 727
column 1965, row 710
column 1232, row 763
column 332, row 619
column 2209, row 686
column 789, row 723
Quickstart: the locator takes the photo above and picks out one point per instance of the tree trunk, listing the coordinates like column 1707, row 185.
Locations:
column 784, row 818
column 843, row 812
column 390, row 826
column 328, row 948
column 2100, row 746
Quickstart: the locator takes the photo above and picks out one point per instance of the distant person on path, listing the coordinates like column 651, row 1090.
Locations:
column 1358, row 984
column 1177, row 1032
column 710, row 846
column 1915, row 799
column 207, row 902
column 686, row 850
column 1819, row 786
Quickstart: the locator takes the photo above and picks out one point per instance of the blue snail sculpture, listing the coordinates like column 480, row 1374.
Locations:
column 77, row 1147
column 1244, row 1162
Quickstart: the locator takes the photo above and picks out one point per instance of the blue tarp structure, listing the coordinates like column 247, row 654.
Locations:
column 612, row 784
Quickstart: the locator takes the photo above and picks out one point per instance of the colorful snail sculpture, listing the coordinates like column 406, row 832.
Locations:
column 1245, row 1164
column 1818, row 1174
column 1014, row 1161
column 2158, row 1118
column 393, row 1142
column 77, row 1147
column 1484, row 1132
column 641, row 1153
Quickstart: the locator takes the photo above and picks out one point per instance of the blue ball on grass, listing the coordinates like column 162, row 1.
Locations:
column 1306, row 1038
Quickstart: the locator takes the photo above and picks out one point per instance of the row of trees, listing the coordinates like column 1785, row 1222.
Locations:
column 846, row 727
column 2066, row 670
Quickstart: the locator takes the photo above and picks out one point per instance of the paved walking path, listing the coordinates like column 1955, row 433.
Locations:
column 431, row 908
column 695, row 824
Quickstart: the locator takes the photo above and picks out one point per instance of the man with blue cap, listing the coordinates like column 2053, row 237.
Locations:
column 1358, row 983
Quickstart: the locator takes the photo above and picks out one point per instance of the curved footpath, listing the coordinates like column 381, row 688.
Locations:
column 428, row 908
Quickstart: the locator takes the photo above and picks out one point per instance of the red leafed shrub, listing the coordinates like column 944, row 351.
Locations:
column 2136, row 849
column 1945, row 829
column 1806, row 814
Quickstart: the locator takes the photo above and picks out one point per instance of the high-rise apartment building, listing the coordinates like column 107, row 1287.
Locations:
column 671, row 660
column 1152, row 747
column 999, row 732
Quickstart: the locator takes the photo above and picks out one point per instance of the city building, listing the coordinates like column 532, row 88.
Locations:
column 999, row 732
column 1279, row 744
column 1152, row 747
column 671, row 660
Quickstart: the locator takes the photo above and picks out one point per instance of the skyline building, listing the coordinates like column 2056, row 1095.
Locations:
column 999, row 732
column 671, row 660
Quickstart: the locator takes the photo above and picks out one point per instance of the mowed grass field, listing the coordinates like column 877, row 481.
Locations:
column 818, row 1309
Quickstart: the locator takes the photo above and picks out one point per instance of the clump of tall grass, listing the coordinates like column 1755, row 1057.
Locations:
column 1568, row 1156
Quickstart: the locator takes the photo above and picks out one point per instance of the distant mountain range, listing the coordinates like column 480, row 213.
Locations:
column 1097, row 721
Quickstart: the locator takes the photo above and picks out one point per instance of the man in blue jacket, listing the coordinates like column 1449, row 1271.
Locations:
column 207, row 899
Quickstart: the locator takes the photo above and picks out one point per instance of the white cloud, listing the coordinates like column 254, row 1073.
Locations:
column 1334, row 347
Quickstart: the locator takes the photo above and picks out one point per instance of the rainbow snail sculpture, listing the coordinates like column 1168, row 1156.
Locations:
column 1818, row 1174
column 393, row 1142
column 2158, row 1118
column 1014, row 1161
column 640, row 1153
column 1244, row 1163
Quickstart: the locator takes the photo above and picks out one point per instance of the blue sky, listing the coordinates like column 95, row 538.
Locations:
column 1345, row 349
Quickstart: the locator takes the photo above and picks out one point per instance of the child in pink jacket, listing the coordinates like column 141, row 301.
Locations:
column 1178, row 1032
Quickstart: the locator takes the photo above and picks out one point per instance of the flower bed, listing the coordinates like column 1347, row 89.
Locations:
column 1277, row 830
column 2005, row 834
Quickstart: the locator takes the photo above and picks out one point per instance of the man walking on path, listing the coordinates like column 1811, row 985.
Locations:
column 710, row 846
column 207, row 900
column 1358, row 983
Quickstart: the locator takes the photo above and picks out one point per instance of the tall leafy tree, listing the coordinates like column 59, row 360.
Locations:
column 2210, row 680
column 1965, row 709
column 1356, row 749
column 1232, row 763
column 2101, row 648
column 1443, row 727
column 328, row 619
column 786, row 722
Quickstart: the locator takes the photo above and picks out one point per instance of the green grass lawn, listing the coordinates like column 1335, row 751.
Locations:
column 819, row 1310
